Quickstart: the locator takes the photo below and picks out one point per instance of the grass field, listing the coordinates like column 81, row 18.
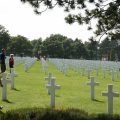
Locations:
column 30, row 90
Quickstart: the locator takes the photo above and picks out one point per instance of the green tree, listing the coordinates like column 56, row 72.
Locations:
column 67, row 48
column 4, row 37
column 92, row 50
column 20, row 45
column 109, row 48
column 37, row 46
column 54, row 46
column 79, row 50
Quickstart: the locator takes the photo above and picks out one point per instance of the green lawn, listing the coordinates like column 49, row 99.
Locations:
column 30, row 90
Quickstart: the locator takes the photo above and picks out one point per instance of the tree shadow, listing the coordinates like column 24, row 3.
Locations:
column 116, row 81
column 1, row 113
column 7, row 101
column 57, row 95
column 15, row 89
column 95, row 100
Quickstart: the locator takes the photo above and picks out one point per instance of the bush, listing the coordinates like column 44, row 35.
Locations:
column 53, row 114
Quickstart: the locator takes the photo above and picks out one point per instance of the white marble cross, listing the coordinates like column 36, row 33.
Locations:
column 12, row 78
column 97, row 71
column 110, row 94
column 104, row 72
column 44, row 64
column 112, row 72
column 26, row 67
column 93, row 84
column 52, row 87
column 89, row 73
column 83, row 69
column 117, row 72
column 4, row 88
column 49, row 79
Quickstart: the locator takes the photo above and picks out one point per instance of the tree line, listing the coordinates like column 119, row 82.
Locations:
column 59, row 46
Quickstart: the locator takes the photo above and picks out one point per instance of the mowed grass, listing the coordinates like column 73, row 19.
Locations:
column 30, row 90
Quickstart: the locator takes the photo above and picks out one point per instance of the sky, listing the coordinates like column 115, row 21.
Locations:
column 20, row 19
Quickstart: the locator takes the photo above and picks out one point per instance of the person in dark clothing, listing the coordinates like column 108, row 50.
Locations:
column 2, row 61
column 3, row 67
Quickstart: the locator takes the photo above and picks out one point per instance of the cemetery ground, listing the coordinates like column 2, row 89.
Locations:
column 31, row 92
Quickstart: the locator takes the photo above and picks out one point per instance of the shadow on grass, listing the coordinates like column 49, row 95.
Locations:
column 57, row 95
column 15, row 89
column 7, row 101
column 1, row 112
column 116, row 81
column 95, row 100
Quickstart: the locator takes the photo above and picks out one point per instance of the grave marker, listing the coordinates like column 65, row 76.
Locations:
column 12, row 78
column 110, row 94
column 93, row 84
column 52, row 87
column 49, row 79
column 4, row 88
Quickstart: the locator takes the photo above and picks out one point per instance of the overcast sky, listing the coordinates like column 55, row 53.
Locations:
column 19, row 19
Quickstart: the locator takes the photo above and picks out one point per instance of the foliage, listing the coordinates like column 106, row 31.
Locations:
column 59, row 46
column 55, row 46
column 37, row 45
column 54, row 114
column 105, row 12
column 44, row 114
column 108, row 48
column 4, row 37
column 20, row 45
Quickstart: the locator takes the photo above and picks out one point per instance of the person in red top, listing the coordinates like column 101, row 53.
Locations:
column 11, row 61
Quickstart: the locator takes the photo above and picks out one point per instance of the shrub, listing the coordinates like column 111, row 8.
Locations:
column 54, row 114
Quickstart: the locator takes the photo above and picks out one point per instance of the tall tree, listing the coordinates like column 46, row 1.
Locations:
column 37, row 46
column 78, row 50
column 20, row 45
column 92, row 48
column 110, row 49
column 4, row 37
column 54, row 46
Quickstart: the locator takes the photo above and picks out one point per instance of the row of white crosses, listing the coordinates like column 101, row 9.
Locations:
column 61, row 65
column 112, row 68
column 110, row 94
column 44, row 65
column 17, row 60
column 28, row 63
column 88, row 65
column 92, row 85
column 51, row 86
column 5, row 82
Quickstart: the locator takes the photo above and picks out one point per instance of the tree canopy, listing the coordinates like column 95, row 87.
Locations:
column 106, row 12
column 59, row 46
column 4, row 37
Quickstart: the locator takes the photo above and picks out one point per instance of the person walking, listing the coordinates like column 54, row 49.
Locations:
column 3, row 67
column 2, row 61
